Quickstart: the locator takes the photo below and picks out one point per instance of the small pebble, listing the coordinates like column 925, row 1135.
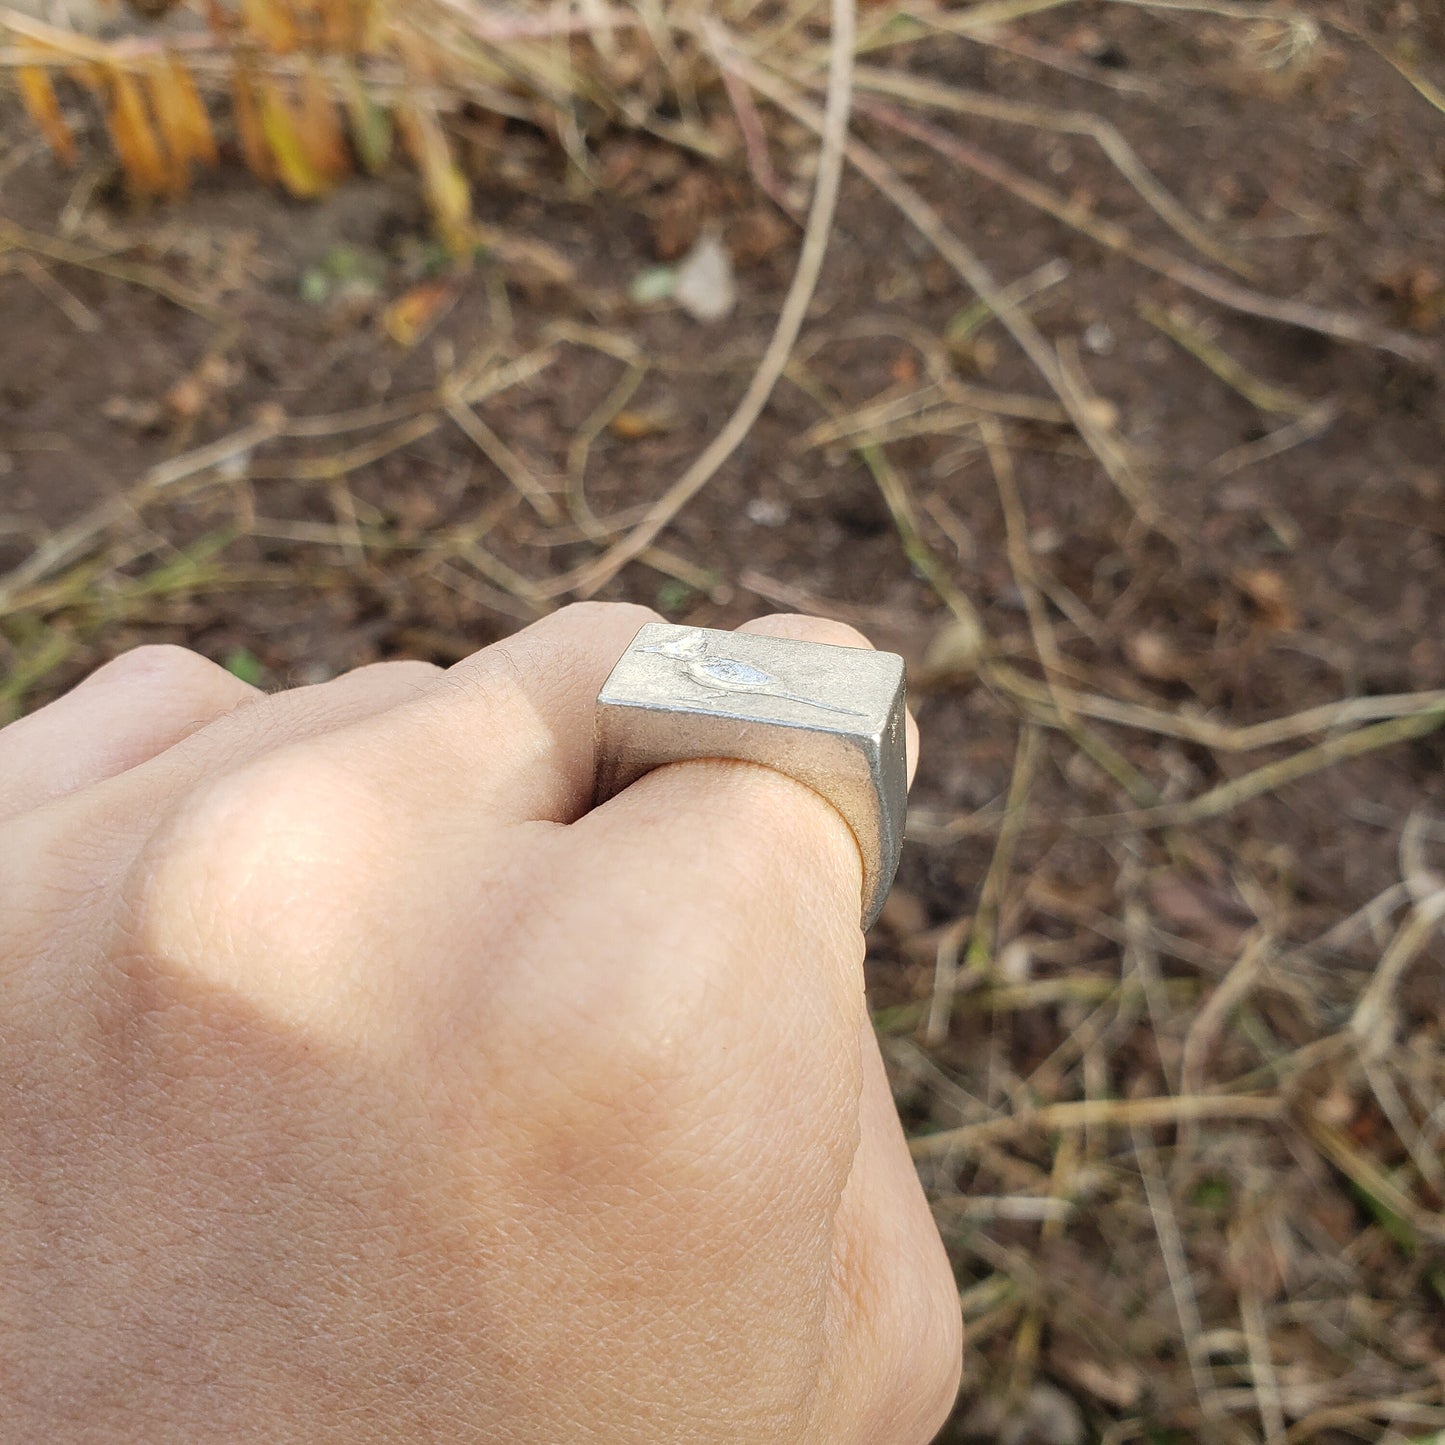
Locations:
column 706, row 288
column 768, row 512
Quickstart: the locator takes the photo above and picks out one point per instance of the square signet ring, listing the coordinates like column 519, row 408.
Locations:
column 832, row 718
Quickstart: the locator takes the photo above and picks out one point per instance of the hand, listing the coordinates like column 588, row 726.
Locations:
column 361, row 1085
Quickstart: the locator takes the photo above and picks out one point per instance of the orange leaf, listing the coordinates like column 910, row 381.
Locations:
column 632, row 426
column 413, row 314
column 249, row 130
column 91, row 76
column 144, row 159
column 343, row 23
column 271, row 23
column 201, row 137
column 448, row 194
column 320, row 131
column 305, row 22
column 294, row 165
column 370, row 24
column 39, row 96
column 181, row 117
column 1272, row 595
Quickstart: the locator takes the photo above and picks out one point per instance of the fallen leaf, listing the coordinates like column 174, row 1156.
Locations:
column 632, row 426
column 413, row 315
column 193, row 393
column 758, row 234
column 680, row 215
column 1271, row 595
column 904, row 368
column 187, row 398
column 1418, row 293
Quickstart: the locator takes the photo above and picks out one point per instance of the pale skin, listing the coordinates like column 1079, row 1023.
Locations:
column 361, row 1083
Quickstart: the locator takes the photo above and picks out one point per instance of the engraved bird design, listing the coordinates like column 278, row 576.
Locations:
column 728, row 674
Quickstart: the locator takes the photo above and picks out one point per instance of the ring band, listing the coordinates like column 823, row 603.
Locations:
column 831, row 718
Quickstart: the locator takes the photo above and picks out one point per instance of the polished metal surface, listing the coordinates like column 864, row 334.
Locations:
column 830, row 717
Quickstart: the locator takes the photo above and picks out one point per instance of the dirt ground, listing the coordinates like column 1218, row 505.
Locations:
column 1110, row 903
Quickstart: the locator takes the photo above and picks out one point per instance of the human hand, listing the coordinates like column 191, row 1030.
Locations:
column 360, row 1084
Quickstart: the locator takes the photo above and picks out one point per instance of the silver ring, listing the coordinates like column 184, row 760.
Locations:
column 830, row 717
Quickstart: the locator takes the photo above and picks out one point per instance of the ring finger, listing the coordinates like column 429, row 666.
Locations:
column 125, row 713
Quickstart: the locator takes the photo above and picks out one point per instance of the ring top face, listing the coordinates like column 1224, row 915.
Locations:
column 773, row 679
column 830, row 717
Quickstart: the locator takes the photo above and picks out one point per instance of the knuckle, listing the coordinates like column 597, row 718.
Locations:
column 843, row 634
column 583, row 613
column 162, row 665
column 275, row 844
column 808, row 628
column 395, row 676
column 545, row 654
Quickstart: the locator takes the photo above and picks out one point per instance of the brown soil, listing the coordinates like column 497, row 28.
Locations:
column 1306, row 577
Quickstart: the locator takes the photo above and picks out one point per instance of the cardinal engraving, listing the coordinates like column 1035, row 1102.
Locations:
column 729, row 675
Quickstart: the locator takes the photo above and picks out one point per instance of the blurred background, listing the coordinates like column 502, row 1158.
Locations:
column 1086, row 352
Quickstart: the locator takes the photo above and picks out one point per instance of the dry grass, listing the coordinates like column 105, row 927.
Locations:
column 1192, row 1184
